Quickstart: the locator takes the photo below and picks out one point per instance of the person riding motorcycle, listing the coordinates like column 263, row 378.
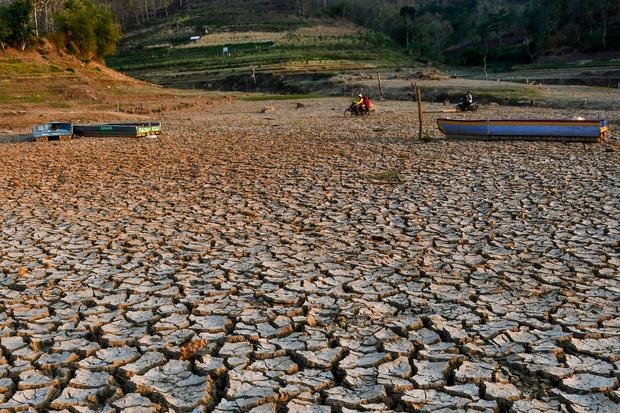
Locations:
column 361, row 104
column 358, row 104
column 468, row 100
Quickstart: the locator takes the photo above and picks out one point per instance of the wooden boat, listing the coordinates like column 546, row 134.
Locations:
column 62, row 131
column 137, row 130
column 526, row 129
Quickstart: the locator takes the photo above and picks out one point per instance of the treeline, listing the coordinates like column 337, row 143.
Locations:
column 473, row 31
column 81, row 27
column 132, row 13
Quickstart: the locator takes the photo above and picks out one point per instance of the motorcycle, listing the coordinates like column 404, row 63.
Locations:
column 462, row 107
column 354, row 110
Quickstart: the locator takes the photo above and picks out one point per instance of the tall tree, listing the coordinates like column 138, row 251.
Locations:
column 87, row 29
column 18, row 17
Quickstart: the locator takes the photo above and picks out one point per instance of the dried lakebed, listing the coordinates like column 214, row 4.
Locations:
column 229, row 269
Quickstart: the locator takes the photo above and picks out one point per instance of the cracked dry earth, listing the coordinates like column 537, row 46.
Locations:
column 251, row 267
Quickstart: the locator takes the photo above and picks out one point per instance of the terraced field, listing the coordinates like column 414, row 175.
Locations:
column 277, row 44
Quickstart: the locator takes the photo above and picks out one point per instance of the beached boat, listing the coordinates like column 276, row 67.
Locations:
column 526, row 129
column 119, row 129
column 53, row 131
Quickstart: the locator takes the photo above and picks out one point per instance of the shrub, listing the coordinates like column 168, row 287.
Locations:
column 5, row 33
column 15, row 26
column 87, row 29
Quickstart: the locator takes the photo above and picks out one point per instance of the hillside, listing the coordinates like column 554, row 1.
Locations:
column 44, row 85
column 295, row 46
column 284, row 49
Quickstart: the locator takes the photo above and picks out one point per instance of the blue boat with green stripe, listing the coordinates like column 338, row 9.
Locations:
column 526, row 129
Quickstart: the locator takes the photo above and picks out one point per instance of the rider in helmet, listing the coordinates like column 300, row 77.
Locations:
column 358, row 104
column 468, row 100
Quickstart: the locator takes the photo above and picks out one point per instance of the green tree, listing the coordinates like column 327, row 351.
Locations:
column 87, row 29
column 431, row 35
column 5, row 32
column 409, row 14
column 17, row 21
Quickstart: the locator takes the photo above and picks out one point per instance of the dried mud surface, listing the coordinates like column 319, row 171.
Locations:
column 297, row 261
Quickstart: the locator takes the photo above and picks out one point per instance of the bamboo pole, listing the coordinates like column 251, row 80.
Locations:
column 420, row 112
column 253, row 75
column 380, row 85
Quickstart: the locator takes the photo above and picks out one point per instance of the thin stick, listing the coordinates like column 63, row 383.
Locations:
column 380, row 85
column 420, row 112
column 253, row 75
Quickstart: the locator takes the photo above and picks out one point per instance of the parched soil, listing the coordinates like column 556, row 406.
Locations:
column 299, row 261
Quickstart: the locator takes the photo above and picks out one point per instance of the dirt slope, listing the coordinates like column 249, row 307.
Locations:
column 44, row 85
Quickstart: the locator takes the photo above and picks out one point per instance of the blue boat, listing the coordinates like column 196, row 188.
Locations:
column 526, row 129
column 53, row 131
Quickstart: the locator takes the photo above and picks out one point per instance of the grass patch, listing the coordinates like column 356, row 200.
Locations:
column 260, row 98
column 17, row 67
column 22, row 99
column 390, row 176
column 427, row 137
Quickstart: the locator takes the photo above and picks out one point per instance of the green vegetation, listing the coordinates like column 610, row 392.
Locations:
column 473, row 32
column 388, row 176
column 427, row 137
column 79, row 26
column 15, row 24
column 297, row 53
column 11, row 67
column 86, row 29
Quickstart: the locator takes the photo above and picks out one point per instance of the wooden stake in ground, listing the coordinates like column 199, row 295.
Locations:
column 253, row 75
column 420, row 113
column 380, row 86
